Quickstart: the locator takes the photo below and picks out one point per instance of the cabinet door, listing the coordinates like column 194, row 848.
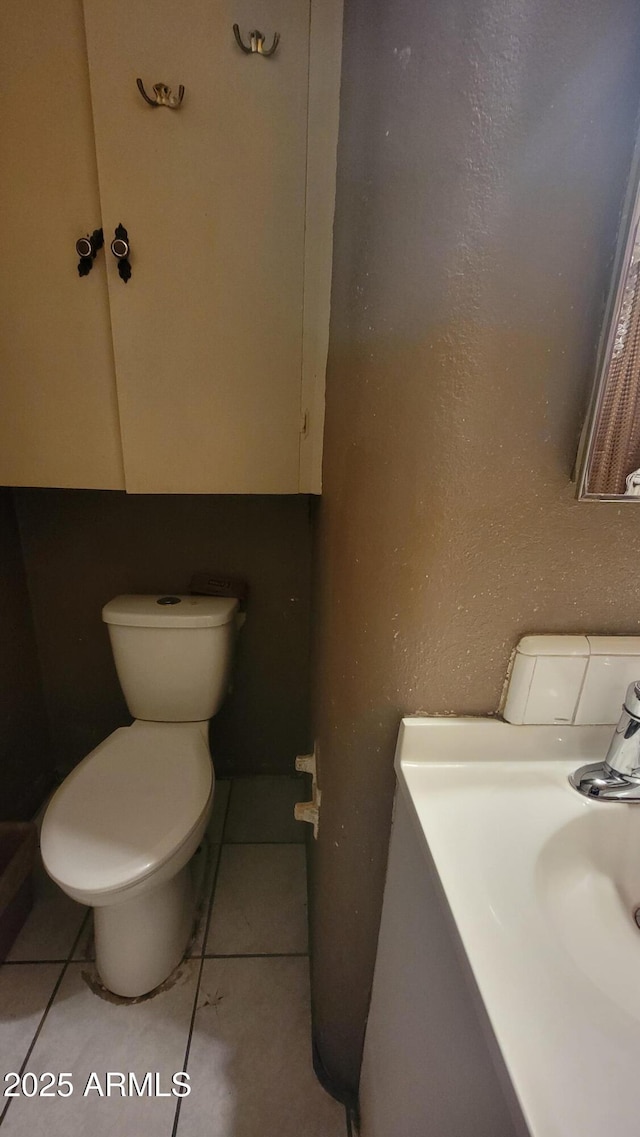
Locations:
column 58, row 408
column 207, row 333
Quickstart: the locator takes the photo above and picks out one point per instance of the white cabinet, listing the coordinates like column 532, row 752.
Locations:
column 204, row 372
column 58, row 408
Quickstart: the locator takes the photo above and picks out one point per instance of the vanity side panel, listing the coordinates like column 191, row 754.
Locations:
column 427, row 1068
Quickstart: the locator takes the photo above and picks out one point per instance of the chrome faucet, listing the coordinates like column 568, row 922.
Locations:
column 618, row 777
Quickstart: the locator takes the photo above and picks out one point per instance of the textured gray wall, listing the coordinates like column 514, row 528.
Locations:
column 81, row 548
column 25, row 758
column 483, row 157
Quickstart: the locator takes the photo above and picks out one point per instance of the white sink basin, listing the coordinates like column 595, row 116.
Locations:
column 588, row 882
column 543, row 885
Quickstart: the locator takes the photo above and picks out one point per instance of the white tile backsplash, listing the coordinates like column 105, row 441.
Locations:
column 571, row 679
column 517, row 696
column 605, row 685
column 555, row 689
column 614, row 645
column 553, row 645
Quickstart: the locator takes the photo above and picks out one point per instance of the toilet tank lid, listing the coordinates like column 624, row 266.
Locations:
column 168, row 611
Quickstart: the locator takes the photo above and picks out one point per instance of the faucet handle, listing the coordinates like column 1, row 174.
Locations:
column 632, row 699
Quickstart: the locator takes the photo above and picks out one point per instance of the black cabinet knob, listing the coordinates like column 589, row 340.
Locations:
column 120, row 248
column 87, row 248
column 84, row 248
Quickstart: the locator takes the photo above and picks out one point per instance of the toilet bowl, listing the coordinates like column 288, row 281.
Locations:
column 117, row 834
column 120, row 831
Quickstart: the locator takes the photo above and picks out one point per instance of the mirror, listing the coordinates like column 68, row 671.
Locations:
column 609, row 458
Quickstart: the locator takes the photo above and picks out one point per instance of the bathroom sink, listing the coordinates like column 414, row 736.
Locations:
column 543, row 885
column 588, row 883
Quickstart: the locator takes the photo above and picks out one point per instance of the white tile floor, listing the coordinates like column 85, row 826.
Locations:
column 236, row 1019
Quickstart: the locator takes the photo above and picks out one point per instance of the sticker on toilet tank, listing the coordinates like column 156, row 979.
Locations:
column 111, row 1083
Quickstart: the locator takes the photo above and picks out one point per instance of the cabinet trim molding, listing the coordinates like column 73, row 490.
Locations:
column 325, row 60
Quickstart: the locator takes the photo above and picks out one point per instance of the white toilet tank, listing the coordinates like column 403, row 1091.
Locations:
column 172, row 653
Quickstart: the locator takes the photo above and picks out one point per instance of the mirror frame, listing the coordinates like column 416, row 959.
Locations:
column 628, row 232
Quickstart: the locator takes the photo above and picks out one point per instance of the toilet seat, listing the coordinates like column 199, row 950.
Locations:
column 128, row 806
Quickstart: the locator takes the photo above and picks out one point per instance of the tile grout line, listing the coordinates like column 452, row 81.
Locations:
column 295, row 843
column 257, row 955
column 52, row 997
column 209, row 908
column 226, row 813
column 185, row 1062
column 204, row 956
column 176, row 1116
column 31, row 962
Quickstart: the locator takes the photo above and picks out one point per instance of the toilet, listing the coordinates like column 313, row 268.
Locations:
column 120, row 831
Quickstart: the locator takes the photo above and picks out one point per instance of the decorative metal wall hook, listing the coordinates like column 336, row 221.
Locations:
column 163, row 96
column 256, row 42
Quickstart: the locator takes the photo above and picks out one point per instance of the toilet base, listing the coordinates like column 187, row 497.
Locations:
column 140, row 941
